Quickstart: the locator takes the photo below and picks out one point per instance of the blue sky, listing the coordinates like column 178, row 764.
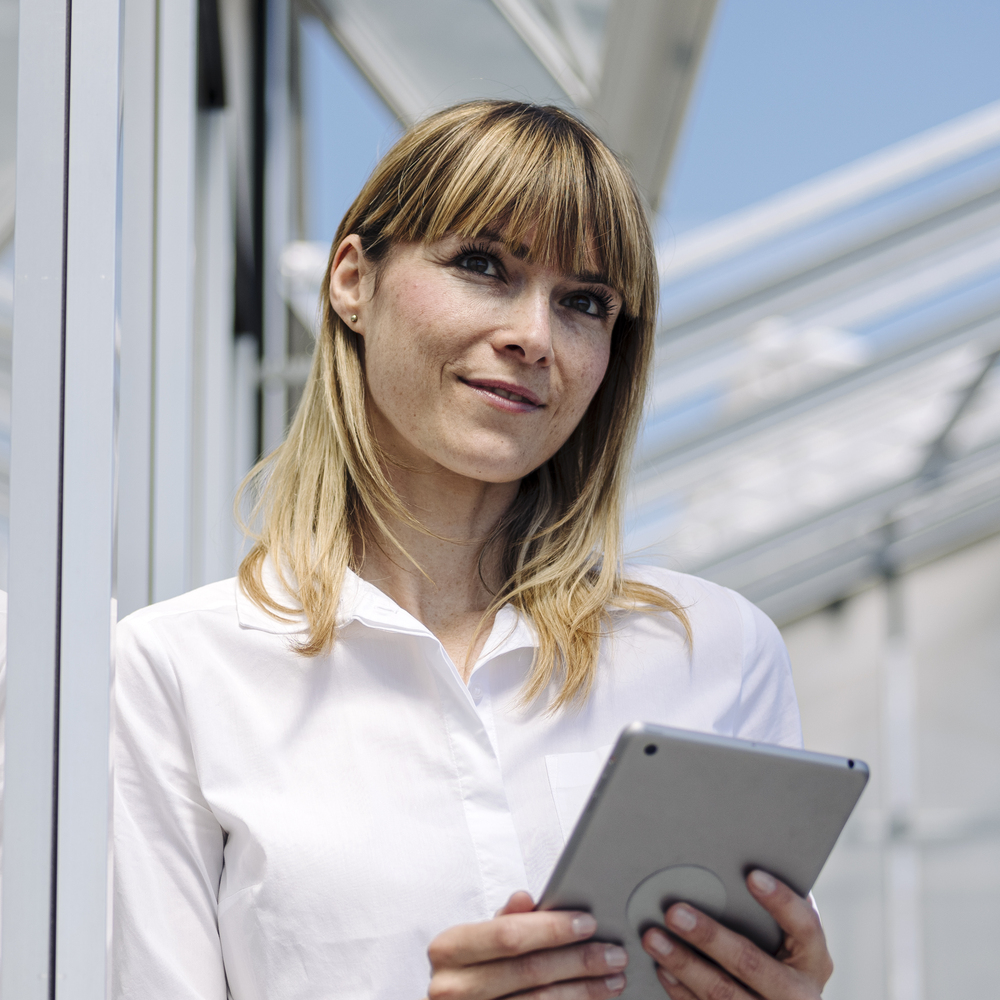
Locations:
column 788, row 89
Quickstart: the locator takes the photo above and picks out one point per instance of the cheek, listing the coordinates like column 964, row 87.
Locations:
column 397, row 348
column 588, row 374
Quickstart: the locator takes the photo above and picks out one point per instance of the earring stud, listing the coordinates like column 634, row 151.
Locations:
column 354, row 317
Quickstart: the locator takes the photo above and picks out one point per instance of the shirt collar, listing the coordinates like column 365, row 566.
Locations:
column 363, row 602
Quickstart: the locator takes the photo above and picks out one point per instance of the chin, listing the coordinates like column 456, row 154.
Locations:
column 493, row 475
column 493, row 471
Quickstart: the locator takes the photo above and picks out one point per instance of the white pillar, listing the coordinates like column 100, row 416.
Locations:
column 35, row 483
column 138, row 268
column 277, row 222
column 88, row 613
column 213, row 486
column 64, row 408
column 174, row 316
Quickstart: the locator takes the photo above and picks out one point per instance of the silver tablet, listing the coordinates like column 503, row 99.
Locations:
column 677, row 815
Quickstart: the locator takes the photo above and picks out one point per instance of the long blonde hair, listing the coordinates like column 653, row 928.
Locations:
column 508, row 167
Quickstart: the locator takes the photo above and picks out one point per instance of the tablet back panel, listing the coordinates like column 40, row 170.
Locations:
column 668, row 798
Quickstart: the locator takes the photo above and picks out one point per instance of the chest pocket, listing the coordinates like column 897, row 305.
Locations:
column 572, row 777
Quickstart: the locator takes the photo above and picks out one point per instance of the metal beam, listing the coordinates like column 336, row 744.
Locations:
column 984, row 328
column 651, row 56
column 138, row 269
column 550, row 51
column 806, row 567
column 57, row 801
column 278, row 199
column 972, row 212
column 174, row 317
column 34, row 567
column 87, row 611
column 833, row 192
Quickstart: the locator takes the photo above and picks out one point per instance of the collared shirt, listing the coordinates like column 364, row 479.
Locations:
column 294, row 827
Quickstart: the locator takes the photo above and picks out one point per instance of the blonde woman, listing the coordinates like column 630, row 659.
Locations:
column 333, row 771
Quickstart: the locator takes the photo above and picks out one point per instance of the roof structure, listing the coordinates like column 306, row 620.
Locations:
column 826, row 407
column 603, row 59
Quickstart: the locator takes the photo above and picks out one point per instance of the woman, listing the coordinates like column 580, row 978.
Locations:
column 355, row 754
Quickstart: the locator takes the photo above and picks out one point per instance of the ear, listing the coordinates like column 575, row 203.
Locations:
column 349, row 282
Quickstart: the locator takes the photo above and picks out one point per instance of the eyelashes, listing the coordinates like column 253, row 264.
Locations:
column 600, row 295
column 477, row 250
column 606, row 302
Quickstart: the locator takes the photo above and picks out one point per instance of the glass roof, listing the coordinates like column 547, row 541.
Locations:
column 426, row 56
column 826, row 401
column 626, row 71
column 822, row 382
column 826, row 405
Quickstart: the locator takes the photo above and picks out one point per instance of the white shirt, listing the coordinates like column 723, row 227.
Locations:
column 303, row 827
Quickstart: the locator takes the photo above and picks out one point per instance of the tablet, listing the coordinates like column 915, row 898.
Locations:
column 683, row 816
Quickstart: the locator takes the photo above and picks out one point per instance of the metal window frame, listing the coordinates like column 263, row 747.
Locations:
column 57, row 803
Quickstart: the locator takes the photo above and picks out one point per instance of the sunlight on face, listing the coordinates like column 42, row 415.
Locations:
column 480, row 362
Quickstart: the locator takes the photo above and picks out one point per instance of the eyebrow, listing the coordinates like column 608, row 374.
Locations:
column 521, row 252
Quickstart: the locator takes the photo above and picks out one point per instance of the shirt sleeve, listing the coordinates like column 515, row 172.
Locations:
column 167, row 843
column 768, row 708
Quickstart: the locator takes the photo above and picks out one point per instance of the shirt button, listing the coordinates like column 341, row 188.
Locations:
column 477, row 693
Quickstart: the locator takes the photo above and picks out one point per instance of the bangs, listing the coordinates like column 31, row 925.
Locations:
column 520, row 172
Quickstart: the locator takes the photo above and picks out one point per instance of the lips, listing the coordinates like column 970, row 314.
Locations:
column 505, row 390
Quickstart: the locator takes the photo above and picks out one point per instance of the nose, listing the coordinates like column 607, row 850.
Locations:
column 529, row 333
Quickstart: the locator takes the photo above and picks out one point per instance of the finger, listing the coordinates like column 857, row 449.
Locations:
column 594, row 961
column 692, row 974
column 675, row 989
column 738, row 955
column 583, row 989
column 519, row 902
column 509, row 935
column 798, row 918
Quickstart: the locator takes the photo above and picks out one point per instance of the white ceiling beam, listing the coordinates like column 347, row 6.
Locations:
column 833, row 192
column 807, row 567
column 983, row 332
column 651, row 56
column 493, row 48
column 358, row 35
column 550, row 51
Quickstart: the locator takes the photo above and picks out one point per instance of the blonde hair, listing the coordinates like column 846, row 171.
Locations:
column 509, row 167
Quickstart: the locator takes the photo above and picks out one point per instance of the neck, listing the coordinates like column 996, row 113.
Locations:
column 445, row 590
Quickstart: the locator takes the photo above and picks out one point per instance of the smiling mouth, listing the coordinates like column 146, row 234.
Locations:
column 504, row 393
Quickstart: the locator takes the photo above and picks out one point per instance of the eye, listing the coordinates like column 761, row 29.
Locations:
column 591, row 303
column 478, row 261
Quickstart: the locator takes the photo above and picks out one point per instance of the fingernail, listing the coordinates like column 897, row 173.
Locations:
column 763, row 882
column 615, row 982
column 615, row 957
column 584, row 925
column 667, row 976
column 660, row 943
column 683, row 919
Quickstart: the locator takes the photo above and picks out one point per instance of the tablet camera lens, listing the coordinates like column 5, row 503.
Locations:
column 651, row 749
column 850, row 763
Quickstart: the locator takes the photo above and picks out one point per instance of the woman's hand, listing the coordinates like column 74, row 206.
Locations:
column 799, row 972
column 525, row 953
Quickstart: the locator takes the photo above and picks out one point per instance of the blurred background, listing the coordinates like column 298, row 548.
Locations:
column 823, row 433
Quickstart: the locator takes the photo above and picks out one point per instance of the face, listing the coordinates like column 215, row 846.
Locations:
column 477, row 361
